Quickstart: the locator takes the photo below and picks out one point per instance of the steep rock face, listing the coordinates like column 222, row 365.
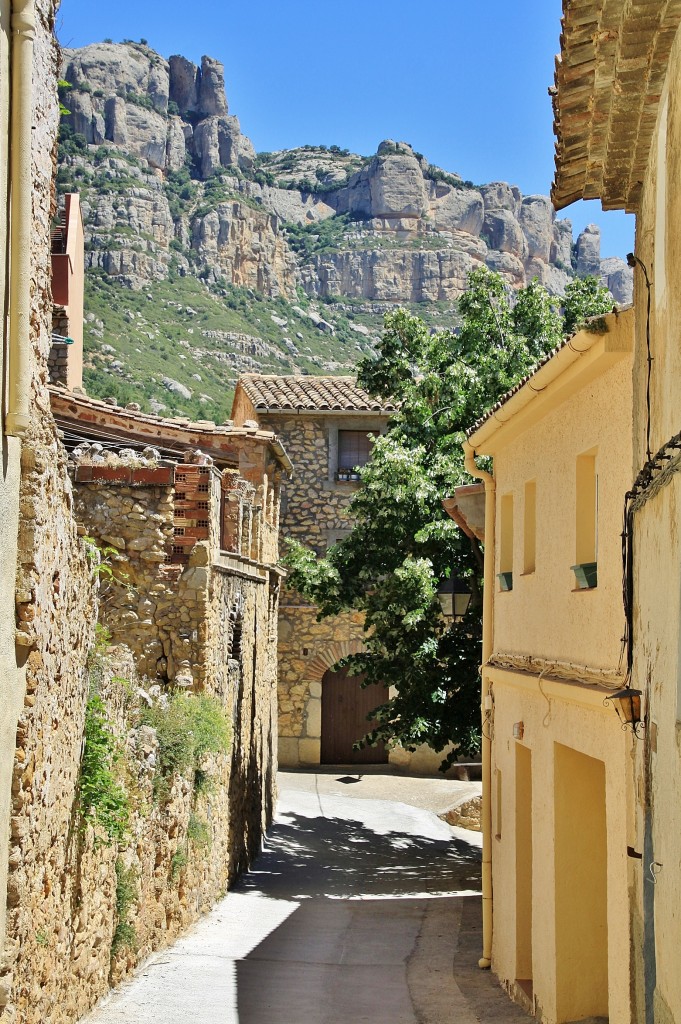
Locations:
column 392, row 276
column 121, row 93
column 411, row 232
column 589, row 251
column 243, row 246
column 618, row 279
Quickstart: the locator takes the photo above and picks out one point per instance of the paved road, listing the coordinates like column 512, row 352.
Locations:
column 359, row 909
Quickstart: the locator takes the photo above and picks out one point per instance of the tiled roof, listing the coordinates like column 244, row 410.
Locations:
column 69, row 407
column 270, row 393
column 609, row 78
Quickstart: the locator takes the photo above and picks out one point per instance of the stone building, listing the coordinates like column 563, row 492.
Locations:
column 45, row 588
column 193, row 595
column 190, row 602
column 617, row 104
column 326, row 423
column 556, row 797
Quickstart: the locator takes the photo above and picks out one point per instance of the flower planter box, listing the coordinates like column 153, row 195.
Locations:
column 586, row 574
column 505, row 580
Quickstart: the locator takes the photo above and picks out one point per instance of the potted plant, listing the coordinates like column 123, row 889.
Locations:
column 505, row 580
column 586, row 574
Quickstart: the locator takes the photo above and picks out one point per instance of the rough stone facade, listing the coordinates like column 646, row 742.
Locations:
column 315, row 513
column 307, row 413
column 58, row 879
column 199, row 614
column 307, row 648
column 46, row 688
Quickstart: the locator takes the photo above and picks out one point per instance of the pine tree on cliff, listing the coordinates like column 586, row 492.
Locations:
column 402, row 543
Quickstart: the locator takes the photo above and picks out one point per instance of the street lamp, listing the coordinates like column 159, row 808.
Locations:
column 627, row 704
column 454, row 596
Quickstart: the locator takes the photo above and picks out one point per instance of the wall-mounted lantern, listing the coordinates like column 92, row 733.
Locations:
column 454, row 596
column 627, row 704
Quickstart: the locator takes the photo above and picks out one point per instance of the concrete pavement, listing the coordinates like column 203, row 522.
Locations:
column 359, row 909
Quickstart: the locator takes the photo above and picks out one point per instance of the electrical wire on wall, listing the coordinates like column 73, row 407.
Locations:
column 650, row 475
column 634, row 262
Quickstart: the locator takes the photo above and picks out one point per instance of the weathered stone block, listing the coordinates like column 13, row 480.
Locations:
column 309, row 751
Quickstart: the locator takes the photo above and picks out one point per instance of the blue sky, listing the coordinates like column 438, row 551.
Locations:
column 466, row 84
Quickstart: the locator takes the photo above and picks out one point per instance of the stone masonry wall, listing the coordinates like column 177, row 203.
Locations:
column 204, row 624
column 308, row 648
column 200, row 625
column 55, row 620
column 314, row 513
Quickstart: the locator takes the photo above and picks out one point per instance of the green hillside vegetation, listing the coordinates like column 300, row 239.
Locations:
column 133, row 339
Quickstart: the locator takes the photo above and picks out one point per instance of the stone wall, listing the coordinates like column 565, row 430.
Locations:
column 206, row 623
column 307, row 649
column 44, row 701
column 314, row 512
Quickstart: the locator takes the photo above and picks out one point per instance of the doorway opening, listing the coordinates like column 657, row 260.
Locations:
column 581, row 886
column 345, row 706
column 523, row 869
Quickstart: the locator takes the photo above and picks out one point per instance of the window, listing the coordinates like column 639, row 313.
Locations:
column 354, row 449
column 530, row 527
column 586, row 520
column 506, row 543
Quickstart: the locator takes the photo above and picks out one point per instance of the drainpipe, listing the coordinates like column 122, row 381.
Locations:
column 23, row 34
column 487, row 639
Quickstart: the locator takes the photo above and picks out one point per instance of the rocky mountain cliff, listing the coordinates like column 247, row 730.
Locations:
column 293, row 256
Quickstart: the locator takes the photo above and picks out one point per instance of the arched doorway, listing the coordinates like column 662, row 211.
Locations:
column 345, row 706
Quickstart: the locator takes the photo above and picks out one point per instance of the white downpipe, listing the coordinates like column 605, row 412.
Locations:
column 487, row 644
column 21, row 195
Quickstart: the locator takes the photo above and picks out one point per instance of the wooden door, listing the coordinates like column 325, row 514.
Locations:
column 345, row 706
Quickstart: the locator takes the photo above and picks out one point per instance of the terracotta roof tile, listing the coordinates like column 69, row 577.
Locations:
column 73, row 407
column 270, row 393
column 608, row 81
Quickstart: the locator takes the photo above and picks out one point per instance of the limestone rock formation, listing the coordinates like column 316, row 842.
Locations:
column 589, row 251
column 127, row 94
column 171, row 188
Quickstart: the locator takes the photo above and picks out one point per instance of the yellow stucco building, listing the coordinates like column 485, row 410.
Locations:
column 556, row 759
column 617, row 105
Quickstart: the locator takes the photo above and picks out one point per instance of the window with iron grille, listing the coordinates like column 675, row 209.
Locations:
column 354, row 448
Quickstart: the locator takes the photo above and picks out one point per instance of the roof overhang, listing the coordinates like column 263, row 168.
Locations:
column 98, row 419
column 609, row 78
column 467, row 509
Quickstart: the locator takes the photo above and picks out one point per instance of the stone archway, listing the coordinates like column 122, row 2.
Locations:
column 331, row 655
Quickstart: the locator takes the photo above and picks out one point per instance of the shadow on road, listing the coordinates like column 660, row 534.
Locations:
column 340, row 858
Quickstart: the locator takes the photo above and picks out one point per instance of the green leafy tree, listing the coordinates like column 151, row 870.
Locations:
column 402, row 543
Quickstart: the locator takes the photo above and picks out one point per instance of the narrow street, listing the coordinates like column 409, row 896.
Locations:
column 363, row 906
